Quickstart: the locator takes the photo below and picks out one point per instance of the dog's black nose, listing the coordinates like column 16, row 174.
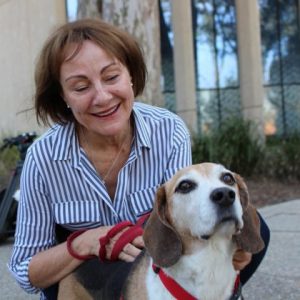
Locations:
column 223, row 196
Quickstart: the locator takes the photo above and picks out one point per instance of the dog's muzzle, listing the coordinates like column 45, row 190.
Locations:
column 224, row 199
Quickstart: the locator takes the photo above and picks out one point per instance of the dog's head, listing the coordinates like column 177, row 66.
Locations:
column 199, row 202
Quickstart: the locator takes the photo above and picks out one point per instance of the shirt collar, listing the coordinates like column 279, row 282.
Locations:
column 66, row 146
column 142, row 130
column 65, row 143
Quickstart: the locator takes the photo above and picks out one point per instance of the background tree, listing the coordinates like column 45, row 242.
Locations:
column 141, row 19
column 89, row 9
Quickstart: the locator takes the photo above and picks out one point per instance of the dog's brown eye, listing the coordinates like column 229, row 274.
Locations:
column 185, row 186
column 228, row 179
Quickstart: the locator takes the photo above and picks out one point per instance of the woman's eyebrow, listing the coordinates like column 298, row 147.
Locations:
column 83, row 76
column 75, row 76
column 107, row 66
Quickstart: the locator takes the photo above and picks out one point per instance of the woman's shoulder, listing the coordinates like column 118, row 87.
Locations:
column 53, row 138
column 155, row 113
column 46, row 136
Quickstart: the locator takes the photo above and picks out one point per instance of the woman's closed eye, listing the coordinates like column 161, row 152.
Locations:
column 81, row 88
column 111, row 78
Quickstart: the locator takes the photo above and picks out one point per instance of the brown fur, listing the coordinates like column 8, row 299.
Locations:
column 165, row 245
column 166, row 248
column 71, row 289
column 135, row 287
column 249, row 239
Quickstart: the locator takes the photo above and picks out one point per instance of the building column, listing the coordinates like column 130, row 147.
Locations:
column 61, row 11
column 184, row 64
column 250, row 62
column 298, row 12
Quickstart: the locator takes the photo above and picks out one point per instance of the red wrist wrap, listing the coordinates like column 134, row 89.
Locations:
column 133, row 231
column 70, row 239
column 128, row 236
column 111, row 233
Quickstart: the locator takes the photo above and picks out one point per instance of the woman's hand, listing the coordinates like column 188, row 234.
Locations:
column 88, row 244
column 130, row 251
column 241, row 259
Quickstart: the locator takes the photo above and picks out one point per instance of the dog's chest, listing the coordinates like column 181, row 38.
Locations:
column 208, row 275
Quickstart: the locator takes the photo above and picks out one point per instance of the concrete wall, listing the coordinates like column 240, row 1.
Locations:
column 25, row 24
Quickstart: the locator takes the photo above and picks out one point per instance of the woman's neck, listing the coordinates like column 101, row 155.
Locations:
column 107, row 154
column 92, row 140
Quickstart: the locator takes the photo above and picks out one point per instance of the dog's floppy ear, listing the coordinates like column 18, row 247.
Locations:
column 249, row 238
column 161, row 240
column 243, row 191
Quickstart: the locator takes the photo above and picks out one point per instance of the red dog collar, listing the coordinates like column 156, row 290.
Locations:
column 180, row 293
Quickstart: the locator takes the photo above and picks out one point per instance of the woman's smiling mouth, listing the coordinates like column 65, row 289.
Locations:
column 108, row 112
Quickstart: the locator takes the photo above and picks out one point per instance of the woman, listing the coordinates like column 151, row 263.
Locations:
column 103, row 159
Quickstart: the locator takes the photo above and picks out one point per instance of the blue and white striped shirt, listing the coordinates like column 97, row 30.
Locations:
column 60, row 186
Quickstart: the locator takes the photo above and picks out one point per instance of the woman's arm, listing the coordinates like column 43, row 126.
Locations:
column 52, row 265
column 35, row 223
column 37, row 261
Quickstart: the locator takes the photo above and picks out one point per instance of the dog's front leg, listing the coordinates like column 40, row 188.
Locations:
column 71, row 289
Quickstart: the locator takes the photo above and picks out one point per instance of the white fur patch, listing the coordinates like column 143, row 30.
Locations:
column 205, row 269
column 195, row 211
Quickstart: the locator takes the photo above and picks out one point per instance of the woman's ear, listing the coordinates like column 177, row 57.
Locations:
column 63, row 98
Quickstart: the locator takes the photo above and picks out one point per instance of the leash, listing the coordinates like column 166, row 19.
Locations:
column 237, row 291
column 170, row 284
column 133, row 231
column 179, row 293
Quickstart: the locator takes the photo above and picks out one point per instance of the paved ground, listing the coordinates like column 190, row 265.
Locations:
column 277, row 278
column 9, row 288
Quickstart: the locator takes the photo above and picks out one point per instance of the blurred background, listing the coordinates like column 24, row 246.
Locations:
column 230, row 69
column 207, row 59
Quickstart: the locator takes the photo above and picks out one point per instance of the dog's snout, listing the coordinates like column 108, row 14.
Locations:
column 223, row 196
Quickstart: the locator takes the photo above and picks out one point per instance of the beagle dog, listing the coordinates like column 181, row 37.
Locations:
column 200, row 217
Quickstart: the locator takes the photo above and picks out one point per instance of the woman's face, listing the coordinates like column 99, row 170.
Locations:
column 97, row 87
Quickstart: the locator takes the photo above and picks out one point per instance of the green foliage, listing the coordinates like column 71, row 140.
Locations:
column 202, row 150
column 232, row 145
column 8, row 161
column 237, row 147
column 282, row 158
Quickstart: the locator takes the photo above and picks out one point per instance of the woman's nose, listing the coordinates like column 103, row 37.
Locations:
column 102, row 94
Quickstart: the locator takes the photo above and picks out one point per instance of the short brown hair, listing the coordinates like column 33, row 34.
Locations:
column 49, row 104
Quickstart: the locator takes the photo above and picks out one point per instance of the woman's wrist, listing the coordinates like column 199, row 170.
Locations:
column 73, row 251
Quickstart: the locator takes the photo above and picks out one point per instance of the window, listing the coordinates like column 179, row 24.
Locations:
column 215, row 45
column 281, row 65
column 217, row 76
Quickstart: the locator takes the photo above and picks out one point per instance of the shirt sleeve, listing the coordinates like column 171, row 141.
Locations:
column 35, row 225
column 181, row 155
